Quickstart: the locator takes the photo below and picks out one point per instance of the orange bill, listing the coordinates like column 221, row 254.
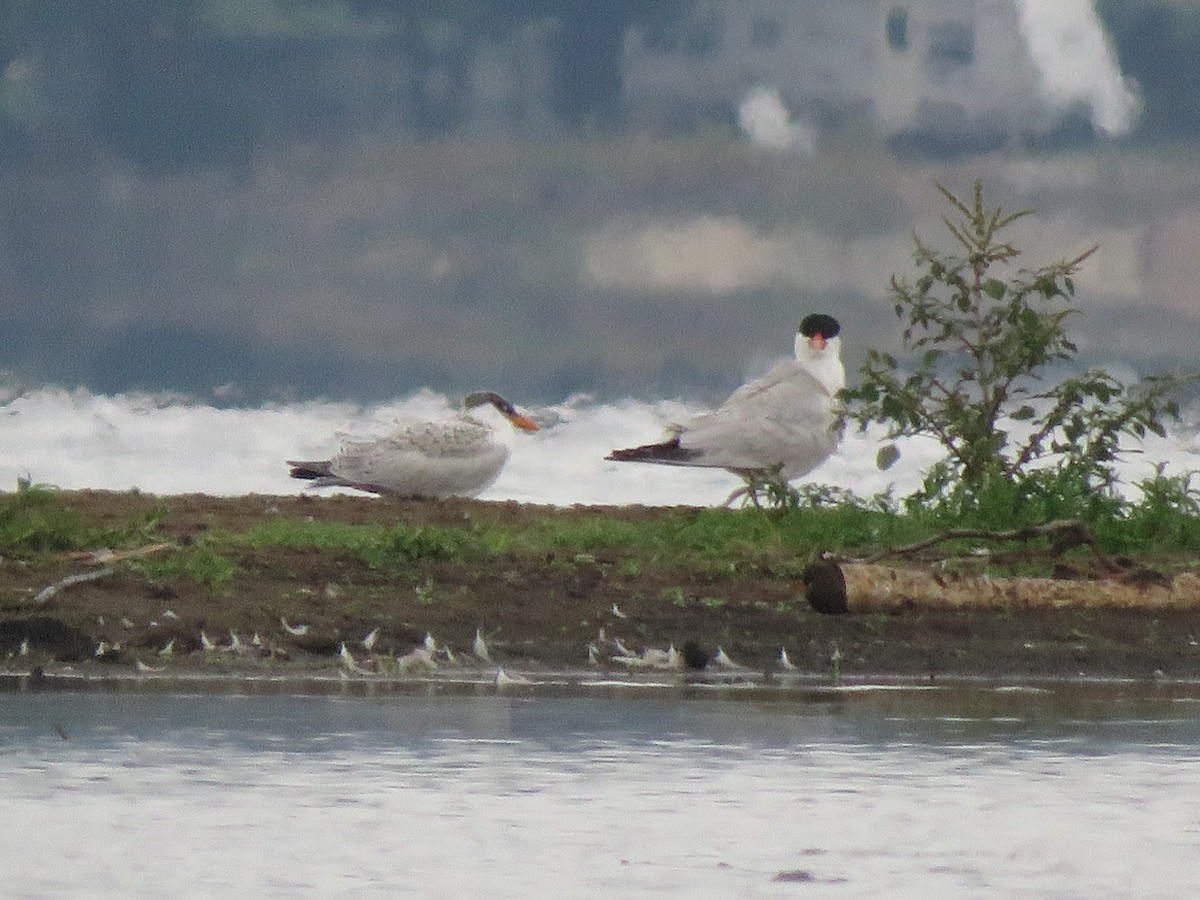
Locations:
column 520, row 421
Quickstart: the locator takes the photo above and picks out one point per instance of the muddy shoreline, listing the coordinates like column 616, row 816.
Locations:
column 543, row 616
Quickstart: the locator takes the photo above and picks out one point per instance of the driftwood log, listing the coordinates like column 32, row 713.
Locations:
column 934, row 583
column 876, row 587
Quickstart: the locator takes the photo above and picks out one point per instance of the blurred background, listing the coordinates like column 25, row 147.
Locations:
column 252, row 200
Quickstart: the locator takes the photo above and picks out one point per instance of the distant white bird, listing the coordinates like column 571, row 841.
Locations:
column 722, row 659
column 784, row 662
column 460, row 457
column 616, row 611
column 297, row 630
column 205, row 642
column 418, row 658
column 782, row 422
column 836, row 656
column 503, row 678
column 145, row 669
column 632, row 662
column 480, row 647
column 346, row 658
column 168, row 648
column 659, row 659
column 368, row 642
column 652, row 658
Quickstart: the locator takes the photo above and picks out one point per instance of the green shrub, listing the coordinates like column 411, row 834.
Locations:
column 980, row 343
column 35, row 520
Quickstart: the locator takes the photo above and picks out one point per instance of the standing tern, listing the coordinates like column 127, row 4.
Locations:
column 780, row 423
column 458, row 457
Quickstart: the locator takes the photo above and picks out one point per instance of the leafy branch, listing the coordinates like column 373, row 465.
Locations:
column 978, row 342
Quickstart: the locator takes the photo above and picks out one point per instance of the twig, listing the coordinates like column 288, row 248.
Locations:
column 106, row 555
column 1076, row 532
column 47, row 592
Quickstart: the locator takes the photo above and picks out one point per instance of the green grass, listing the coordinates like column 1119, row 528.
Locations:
column 202, row 564
column 35, row 520
column 707, row 537
column 379, row 546
column 719, row 543
column 712, row 544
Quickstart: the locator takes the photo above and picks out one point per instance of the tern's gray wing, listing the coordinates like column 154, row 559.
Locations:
column 427, row 459
column 783, row 418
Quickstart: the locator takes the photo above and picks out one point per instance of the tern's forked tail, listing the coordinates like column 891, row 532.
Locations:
column 669, row 452
column 310, row 470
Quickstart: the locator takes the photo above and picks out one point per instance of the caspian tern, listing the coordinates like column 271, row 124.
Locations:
column 457, row 457
column 780, row 424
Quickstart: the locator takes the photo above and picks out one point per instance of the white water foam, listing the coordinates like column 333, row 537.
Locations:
column 76, row 439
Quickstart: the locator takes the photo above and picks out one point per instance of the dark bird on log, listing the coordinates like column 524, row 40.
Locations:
column 825, row 586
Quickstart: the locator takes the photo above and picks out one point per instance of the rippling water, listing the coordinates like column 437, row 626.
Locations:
column 950, row 792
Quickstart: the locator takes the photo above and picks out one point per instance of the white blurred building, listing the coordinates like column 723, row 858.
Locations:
column 957, row 70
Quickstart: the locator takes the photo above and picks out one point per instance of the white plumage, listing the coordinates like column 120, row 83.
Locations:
column 783, row 420
column 457, row 457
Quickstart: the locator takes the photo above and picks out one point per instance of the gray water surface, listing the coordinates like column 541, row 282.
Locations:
column 1060, row 791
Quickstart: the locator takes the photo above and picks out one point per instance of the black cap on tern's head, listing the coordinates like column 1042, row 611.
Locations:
column 820, row 323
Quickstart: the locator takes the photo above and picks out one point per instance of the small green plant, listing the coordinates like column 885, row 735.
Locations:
column 767, row 489
column 1167, row 515
column 875, row 622
column 406, row 544
column 202, row 564
column 630, row 567
column 674, row 596
column 35, row 520
column 835, row 662
column 379, row 547
column 425, row 592
column 981, row 342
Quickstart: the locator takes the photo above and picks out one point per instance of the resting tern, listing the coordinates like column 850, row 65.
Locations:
column 782, row 423
column 458, row 457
